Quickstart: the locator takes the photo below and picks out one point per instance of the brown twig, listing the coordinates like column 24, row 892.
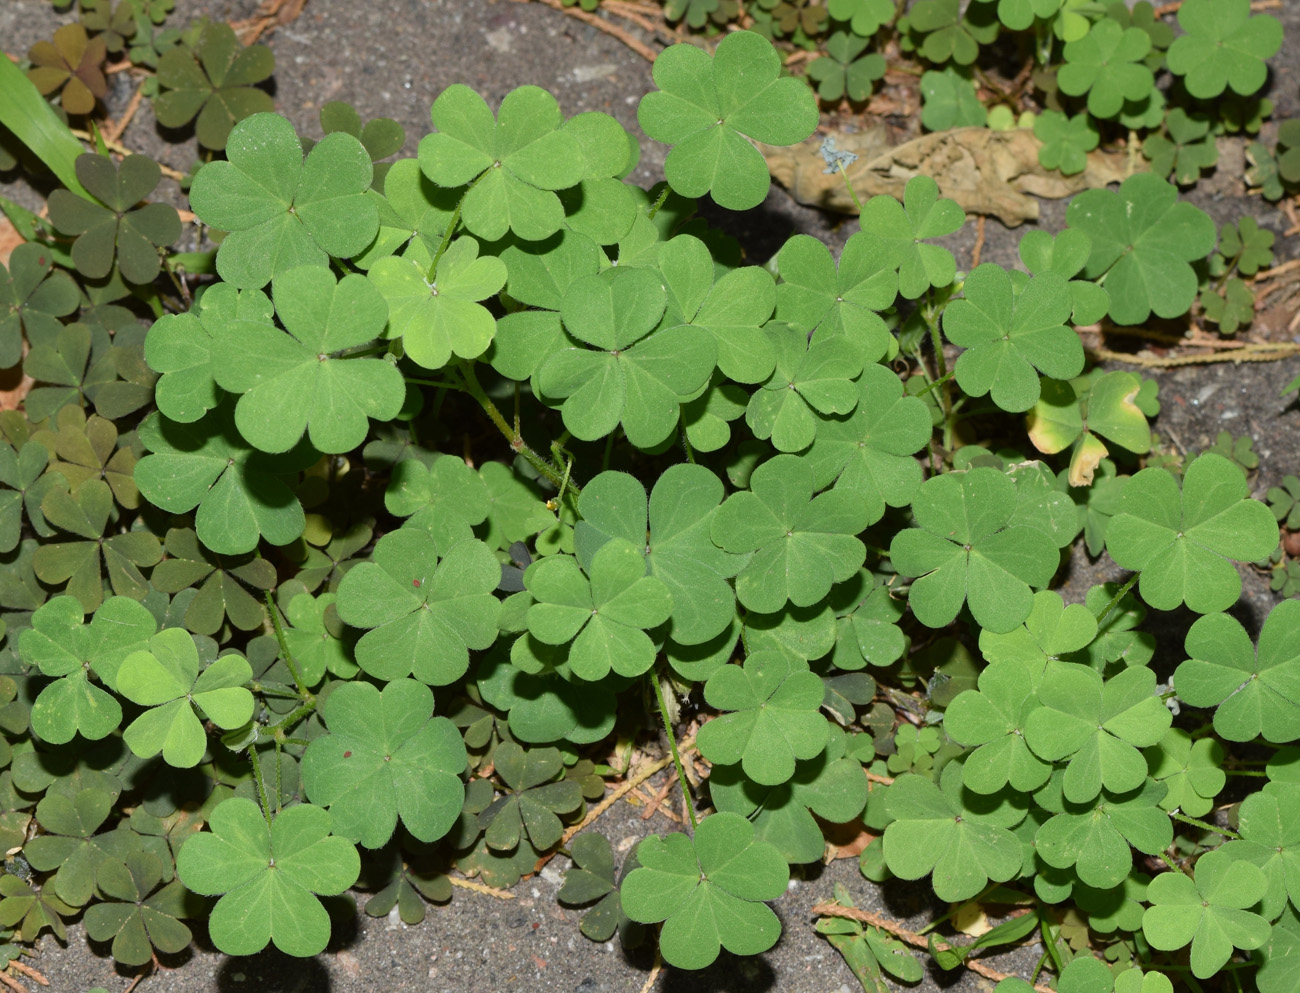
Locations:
column 113, row 129
column 911, row 937
column 469, row 884
column 654, row 973
column 600, row 24
column 13, row 984
column 270, row 15
column 1265, row 351
column 28, row 971
column 978, row 250
column 1176, row 5
column 120, row 149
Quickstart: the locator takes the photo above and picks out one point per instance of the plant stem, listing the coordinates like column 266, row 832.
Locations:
column 1204, row 826
column 434, row 382
column 1173, row 865
column 303, row 692
column 663, row 196
column 1245, row 772
column 475, row 389
column 672, row 744
column 261, row 786
column 1117, row 598
column 849, row 185
column 451, row 230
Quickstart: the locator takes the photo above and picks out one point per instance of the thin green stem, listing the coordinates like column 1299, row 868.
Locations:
column 1173, row 865
column 1114, row 602
column 672, row 744
column 279, row 778
column 848, row 183
column 1205, row 826
column 1245, row 772
column 451, row 229
column 475, row 389
column 434, row 382
column 303, row 692
column 261, row 786
column 663, row 196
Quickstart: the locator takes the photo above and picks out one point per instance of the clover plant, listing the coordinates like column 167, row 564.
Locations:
column 272, row 587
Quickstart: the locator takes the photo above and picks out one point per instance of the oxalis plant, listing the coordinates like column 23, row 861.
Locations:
column 469, row 470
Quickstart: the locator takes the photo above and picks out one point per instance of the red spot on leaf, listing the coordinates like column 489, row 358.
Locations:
column 347, row 755
column 415, row 582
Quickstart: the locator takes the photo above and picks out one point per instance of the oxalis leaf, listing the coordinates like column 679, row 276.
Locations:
column 1143, row 240
column 138, row 916
column 802, row 544
column 284, row 211
column 1007, row 335
column 1210, row 913
column 1255, row 690
column 964, row 552
column 63, row 647
column 1098, row 725
column 1269, row 822
column 959, row 836
column 424, row 615
column 1224, row 47
column 905, row 228
column 296, row 383
column 166, row 679
column 707, row 891
column 602, row 614
column 674, row 527
column 775, row 717
column 634, row 374
column 268, row 876
column 707, row 107
column 385, row 756
column 514, row 161
column 533, row 802
column 1182, row 542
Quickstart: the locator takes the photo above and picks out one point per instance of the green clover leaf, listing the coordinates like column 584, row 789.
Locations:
column 1019, row 14
column 802, row 544
column 514, row 161
column 1107, row 64
column 674, row 526
column 830, row 785
column 1256, row 690
column 30, row 910
column 268, row 876
column 1006, row 336
column 604, row 613
column 991, row 721
column 33, row 296
column 965, row 550
column 547, row 705
column 1066, row 253
column 69, row 842
column 1052, row 631
column 592, row 880
column 866, row 621
column 166, row 679
column 775, row 717
column 446, row 498
column 1269, row 822
column 844, row 71
column 706, row 108
column 1066, row 141
column 1209, row 912
column 1231, row 309
column 1191, row 770
column 950, row 100
column 138, row 916
column 180, row 347
column 634, row 374
column 77, row 563
column 284, row 211
column 952, row 32
column 1183, row 542
column 865, row 17
column 962, row 838
column 1114, row 405
column 1094, row 836
column 1185, row 150
column 314, row 638
column 85, row 448
column 424, row 615
column 114, row 227
column 733, row 310
column 240, row 493
column 296, row 382
column 1142, row 241
column 221, row 583
column 385, row 757
column 1098, row 725
column 533, row 802
column 440, row 318
column 811, row 378
column 708, row 891
column 25, row 483
column 815, row 293
column 869, row 453
column 413, row 211
column 60, row 645
column 903, row 230
column 215, row 82
column 1224, row 47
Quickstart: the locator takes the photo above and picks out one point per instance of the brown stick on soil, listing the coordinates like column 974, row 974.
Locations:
column 600, row 24
column 911, row 937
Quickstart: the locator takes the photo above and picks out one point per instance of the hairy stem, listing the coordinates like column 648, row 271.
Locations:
column 1205, row 826
column 672, row 744
column 1117, row 598
column 261, row 786
column 303, row 692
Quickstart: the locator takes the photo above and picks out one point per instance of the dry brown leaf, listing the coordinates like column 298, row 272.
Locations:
column 994, row 173
column 845, row 841
column 9, row 239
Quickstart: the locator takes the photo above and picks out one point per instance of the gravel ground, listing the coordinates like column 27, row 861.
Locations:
column 391, row 58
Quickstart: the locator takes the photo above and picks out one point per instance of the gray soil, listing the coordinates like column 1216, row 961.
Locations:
column 391, row 58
